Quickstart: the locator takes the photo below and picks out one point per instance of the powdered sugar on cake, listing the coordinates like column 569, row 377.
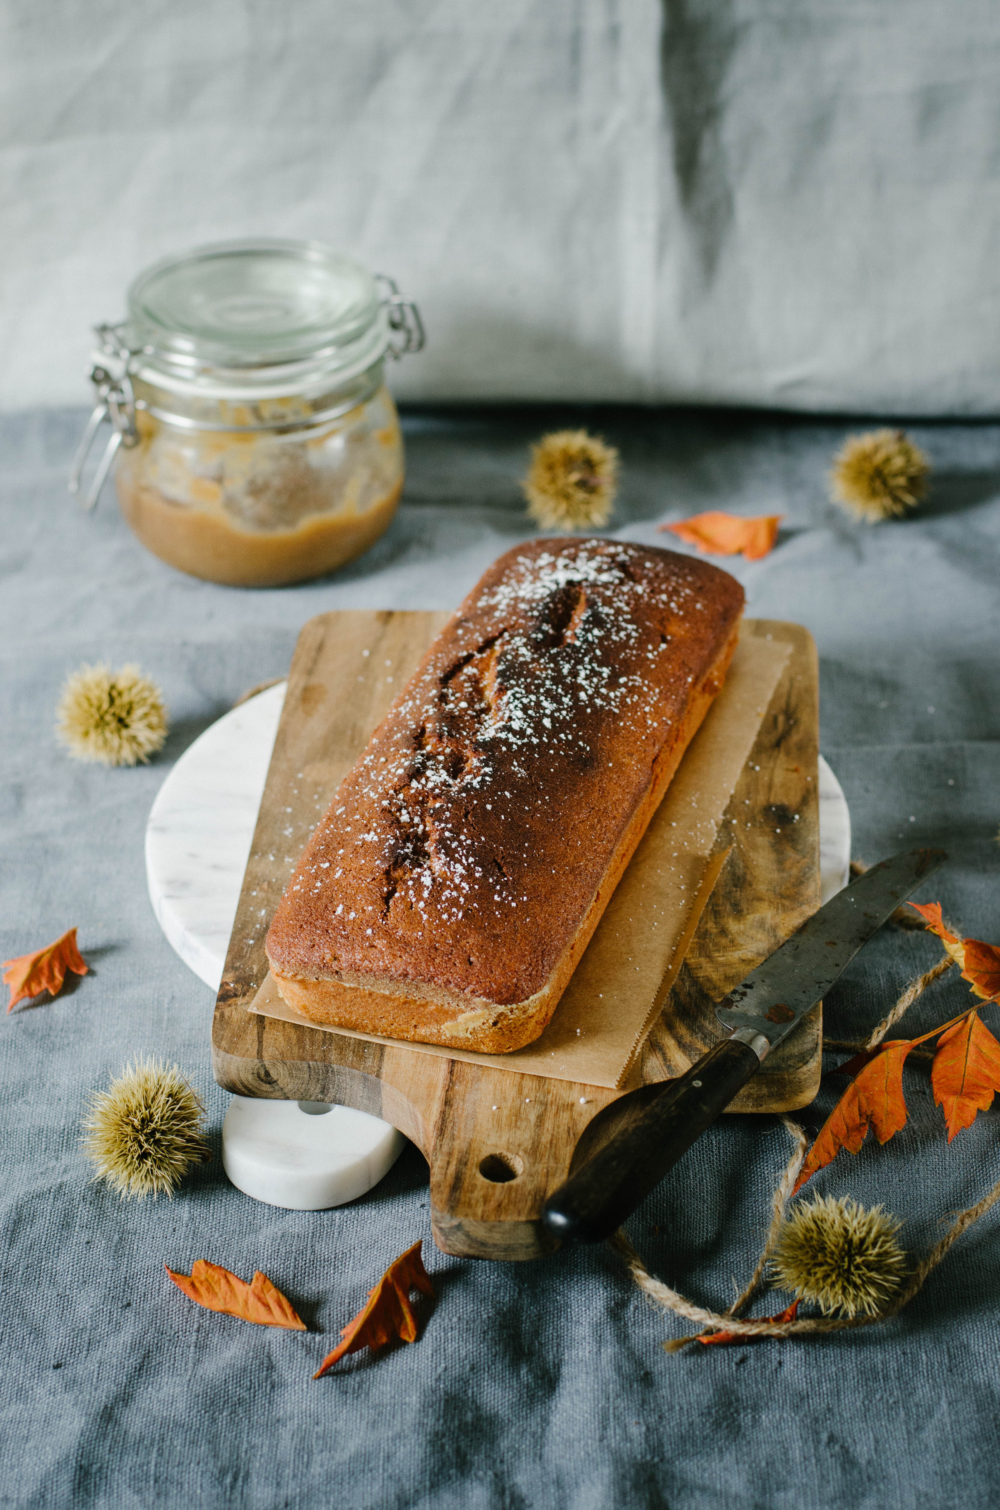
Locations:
column 458, row 810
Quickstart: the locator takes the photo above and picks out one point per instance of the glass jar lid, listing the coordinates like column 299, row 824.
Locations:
column 243, row 321
column 261, row 315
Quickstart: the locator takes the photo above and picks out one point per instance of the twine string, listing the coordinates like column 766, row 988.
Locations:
column 732, row 1320
column 913, row 992
column 779, row 1202
column 962, row 1222
column 714, row 1321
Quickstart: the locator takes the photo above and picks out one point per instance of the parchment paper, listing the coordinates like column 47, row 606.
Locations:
column 632, row 961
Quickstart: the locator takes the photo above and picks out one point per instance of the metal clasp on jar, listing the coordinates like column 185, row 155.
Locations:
column 111, row 376
column 403, row 317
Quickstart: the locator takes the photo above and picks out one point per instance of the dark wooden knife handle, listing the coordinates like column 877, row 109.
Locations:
column 608, row 1186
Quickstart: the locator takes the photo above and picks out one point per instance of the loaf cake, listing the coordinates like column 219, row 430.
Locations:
column 453, row 884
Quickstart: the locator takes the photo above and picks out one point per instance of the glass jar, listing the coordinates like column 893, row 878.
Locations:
column 253, row 438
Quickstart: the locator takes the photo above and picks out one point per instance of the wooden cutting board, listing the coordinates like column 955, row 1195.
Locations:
column 498, row 1141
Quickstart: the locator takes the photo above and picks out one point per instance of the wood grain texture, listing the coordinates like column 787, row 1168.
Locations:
column 496, row 1141
column 768, row 886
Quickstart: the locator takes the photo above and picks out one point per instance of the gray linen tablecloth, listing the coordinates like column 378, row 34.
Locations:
column 542, row 1384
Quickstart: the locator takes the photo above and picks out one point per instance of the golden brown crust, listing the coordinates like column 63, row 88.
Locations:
column 452, row 887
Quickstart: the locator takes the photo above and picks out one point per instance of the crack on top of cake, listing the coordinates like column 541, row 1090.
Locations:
column 560, row 617
column 415, row 847
column 481, row 649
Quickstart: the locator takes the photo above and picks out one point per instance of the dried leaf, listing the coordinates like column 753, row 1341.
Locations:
column 711, row 1339
column 388, row 1315
column 873, row 1099
column 978, row 962
column 213, row 1287
column 982, row 969
column 44, row 970
column 966, row 1072
column 931, row 914
column 719, row 534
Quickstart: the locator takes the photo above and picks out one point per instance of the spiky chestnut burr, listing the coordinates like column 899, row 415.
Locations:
column 840, row 1256
column 115, row 717
column 881, row 475
column 144, row 1133
column 572, row 480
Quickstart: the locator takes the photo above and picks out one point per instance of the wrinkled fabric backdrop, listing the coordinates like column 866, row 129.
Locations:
column 768, row 202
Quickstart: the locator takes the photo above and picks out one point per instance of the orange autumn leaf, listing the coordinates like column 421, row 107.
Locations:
column 712, row 1338
column 978, row 962
column 874, row 1099
column 718, row 534
column 213, row 1287
column 388, row 1315
column 966, row 1072
column 933, row 918
column 43, row 970
column 982, row 968
column 931, row 914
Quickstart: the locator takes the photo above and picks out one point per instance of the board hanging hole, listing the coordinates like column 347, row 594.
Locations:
column 315, row 1108
column 499, row 1168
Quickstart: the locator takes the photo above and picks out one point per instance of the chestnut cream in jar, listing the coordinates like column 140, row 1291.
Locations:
column 253, row 439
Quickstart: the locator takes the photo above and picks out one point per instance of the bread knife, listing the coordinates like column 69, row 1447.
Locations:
column 658, row 1123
